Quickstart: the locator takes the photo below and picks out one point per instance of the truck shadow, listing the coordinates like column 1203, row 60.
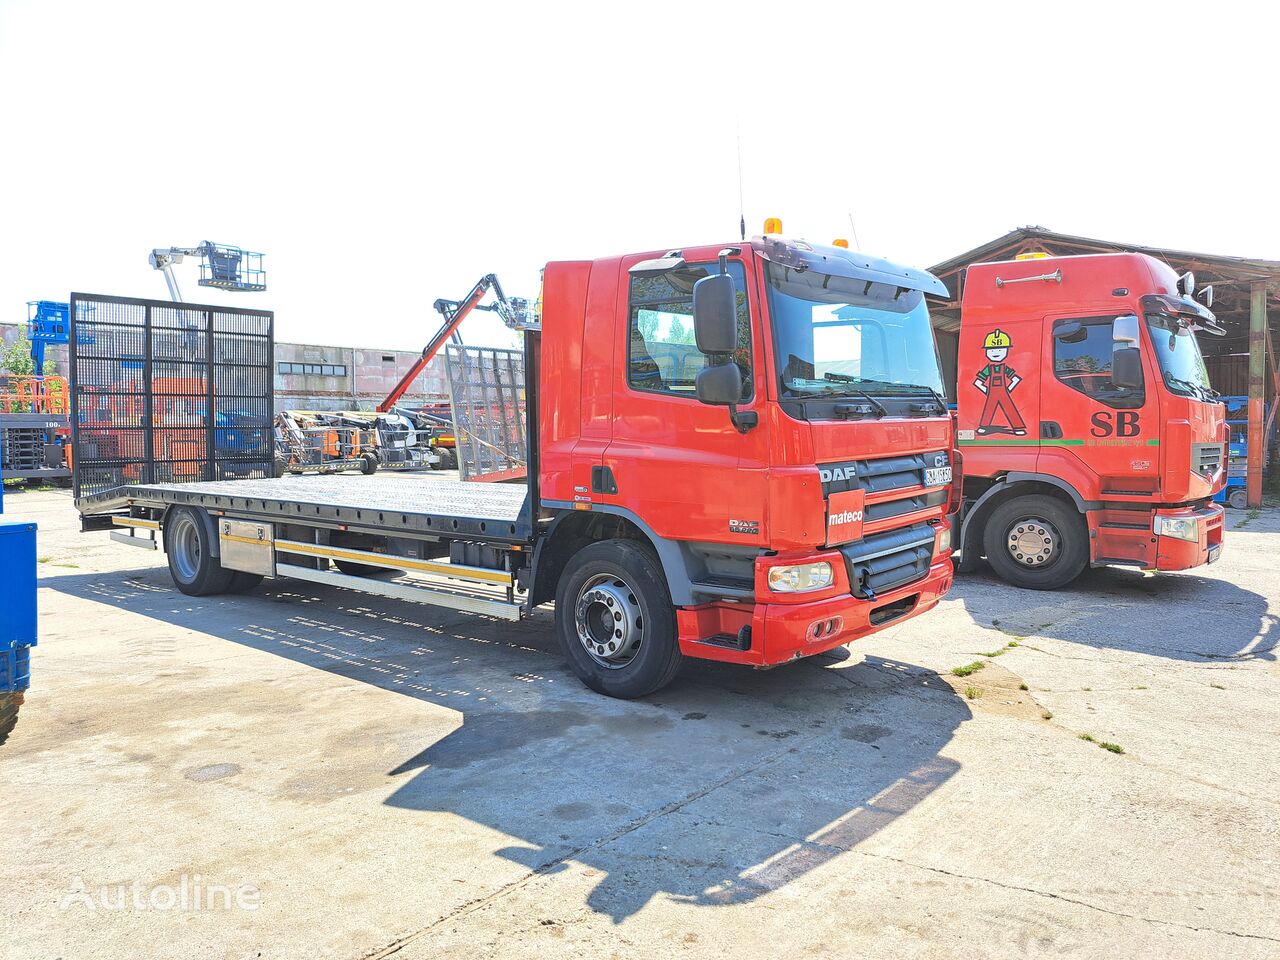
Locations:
column 1178, row 616
column 727, row 785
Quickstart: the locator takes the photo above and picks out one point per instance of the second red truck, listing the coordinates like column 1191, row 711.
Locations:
column 1089, row 431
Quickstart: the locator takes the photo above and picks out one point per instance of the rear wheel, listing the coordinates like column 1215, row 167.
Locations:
column 9, row 703
column 194, row 568
column 353, row 569
column 448, row 458
column 242, row 582
column 369, row 464
column 615, row 621
column 1036, row 542
column 1237, row 498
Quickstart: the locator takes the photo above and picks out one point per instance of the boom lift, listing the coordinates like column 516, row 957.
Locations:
column 33, row 408
column 514, row 312
column 221, row 265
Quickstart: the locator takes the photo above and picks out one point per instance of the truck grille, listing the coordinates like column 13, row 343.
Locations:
column 883, row 476
column 883, row 561
column 1206, row 458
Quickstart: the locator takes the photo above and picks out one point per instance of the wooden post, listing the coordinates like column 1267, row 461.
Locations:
column 1257, row 387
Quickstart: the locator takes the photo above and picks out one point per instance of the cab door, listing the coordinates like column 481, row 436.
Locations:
column 1108, row 444
column 672, row 460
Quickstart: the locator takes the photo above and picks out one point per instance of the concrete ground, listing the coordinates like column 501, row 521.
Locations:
column 307, row 772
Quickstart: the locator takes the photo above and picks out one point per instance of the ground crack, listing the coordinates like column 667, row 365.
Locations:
column 1080, row 903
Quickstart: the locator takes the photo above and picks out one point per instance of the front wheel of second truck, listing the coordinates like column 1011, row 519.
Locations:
column 615, row 621
column 1036, row 542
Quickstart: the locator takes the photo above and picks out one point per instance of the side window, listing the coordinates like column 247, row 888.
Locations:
column 661, row 354
column 1082, row 359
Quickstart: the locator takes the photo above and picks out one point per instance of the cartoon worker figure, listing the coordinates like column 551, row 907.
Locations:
column 997, row 381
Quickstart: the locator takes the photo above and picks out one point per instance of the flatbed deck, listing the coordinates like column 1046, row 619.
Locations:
column 425, row 504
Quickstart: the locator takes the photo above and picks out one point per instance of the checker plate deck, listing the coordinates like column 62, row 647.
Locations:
column 424, row 503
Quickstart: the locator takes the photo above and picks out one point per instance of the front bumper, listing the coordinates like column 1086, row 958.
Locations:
column 781, row 632
column 1174, row 553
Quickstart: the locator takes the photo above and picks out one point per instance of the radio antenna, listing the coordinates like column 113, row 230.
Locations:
column 857, row 243
column 742, row 210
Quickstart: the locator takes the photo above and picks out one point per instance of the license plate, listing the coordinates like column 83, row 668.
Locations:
column 1215, row 552
column 936, row 476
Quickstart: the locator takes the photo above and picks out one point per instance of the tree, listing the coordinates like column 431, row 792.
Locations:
column 16, row 359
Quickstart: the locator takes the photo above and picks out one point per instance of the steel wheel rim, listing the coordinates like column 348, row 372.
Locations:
column 1033, row 542
column 185, row 548
column 608, row 621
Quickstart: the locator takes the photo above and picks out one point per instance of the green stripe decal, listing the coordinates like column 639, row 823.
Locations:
column 1101, row 442
column 1022, row 443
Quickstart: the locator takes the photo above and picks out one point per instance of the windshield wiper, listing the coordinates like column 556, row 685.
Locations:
column 842, row 378
column 1198, row 390
column 938, row 398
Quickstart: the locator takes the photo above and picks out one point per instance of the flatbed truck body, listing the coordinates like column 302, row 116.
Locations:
column 707, row 477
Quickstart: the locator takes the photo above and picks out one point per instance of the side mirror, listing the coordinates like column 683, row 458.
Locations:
column 719, row 385
column 1124, row 330
column 715, row 314
column 1070, row 332
column 1126, row 367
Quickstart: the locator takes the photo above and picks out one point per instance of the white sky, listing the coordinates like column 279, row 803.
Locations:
column 385, row 154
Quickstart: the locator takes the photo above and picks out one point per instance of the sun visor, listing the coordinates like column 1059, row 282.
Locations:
column 1197, row 315
column 839, row 262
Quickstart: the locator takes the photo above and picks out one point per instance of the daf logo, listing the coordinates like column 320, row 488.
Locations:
column 829, row 474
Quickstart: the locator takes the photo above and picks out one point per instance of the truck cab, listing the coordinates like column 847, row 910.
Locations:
column 1089, row 430
column 767, row 416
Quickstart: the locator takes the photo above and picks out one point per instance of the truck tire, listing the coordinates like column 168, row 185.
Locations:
column 353, row 569
column 194, row 568
column 448, row 458
column 1036, row 542
column 1237, row 498
column 242, row 582
column 8, row 715
column 615, row 621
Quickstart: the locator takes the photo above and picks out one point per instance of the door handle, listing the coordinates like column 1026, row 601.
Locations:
column 1050, row 430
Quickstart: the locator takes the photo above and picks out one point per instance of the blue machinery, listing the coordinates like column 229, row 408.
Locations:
column 17, row 615
column 1234, row 494
column 221, row 265
column 33, row 421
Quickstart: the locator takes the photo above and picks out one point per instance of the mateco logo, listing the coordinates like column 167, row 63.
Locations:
column 846, row 516
column 829, row 474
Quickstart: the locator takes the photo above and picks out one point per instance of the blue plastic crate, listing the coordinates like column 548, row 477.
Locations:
column 18, row 575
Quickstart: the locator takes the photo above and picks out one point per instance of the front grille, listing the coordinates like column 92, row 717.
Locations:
column 1206, row 458
column 885, row 475
column 883, row 561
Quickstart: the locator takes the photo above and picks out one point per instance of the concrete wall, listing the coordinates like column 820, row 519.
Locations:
column 368, row 376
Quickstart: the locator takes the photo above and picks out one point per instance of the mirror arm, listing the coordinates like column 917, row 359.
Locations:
column 743, row 420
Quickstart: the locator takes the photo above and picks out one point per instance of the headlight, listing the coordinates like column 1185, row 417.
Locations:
column 1181, row 528
column 944, row 541
column 801, row 578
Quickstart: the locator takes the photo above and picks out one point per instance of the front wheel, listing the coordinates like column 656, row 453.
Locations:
column 368, row 464
column 1036, row 542
column 615, row 621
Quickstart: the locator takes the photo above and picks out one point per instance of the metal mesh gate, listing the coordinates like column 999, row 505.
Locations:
column 487, row 393
column 169, row 392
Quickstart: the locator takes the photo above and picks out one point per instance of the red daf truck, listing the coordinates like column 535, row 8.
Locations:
column 737, row 452
column 1089, row 432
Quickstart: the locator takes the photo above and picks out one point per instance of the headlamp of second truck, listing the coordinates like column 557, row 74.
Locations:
column 1180, row 528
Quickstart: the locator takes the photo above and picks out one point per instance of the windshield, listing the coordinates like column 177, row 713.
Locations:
column 836, row 336
column 1178, row 352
